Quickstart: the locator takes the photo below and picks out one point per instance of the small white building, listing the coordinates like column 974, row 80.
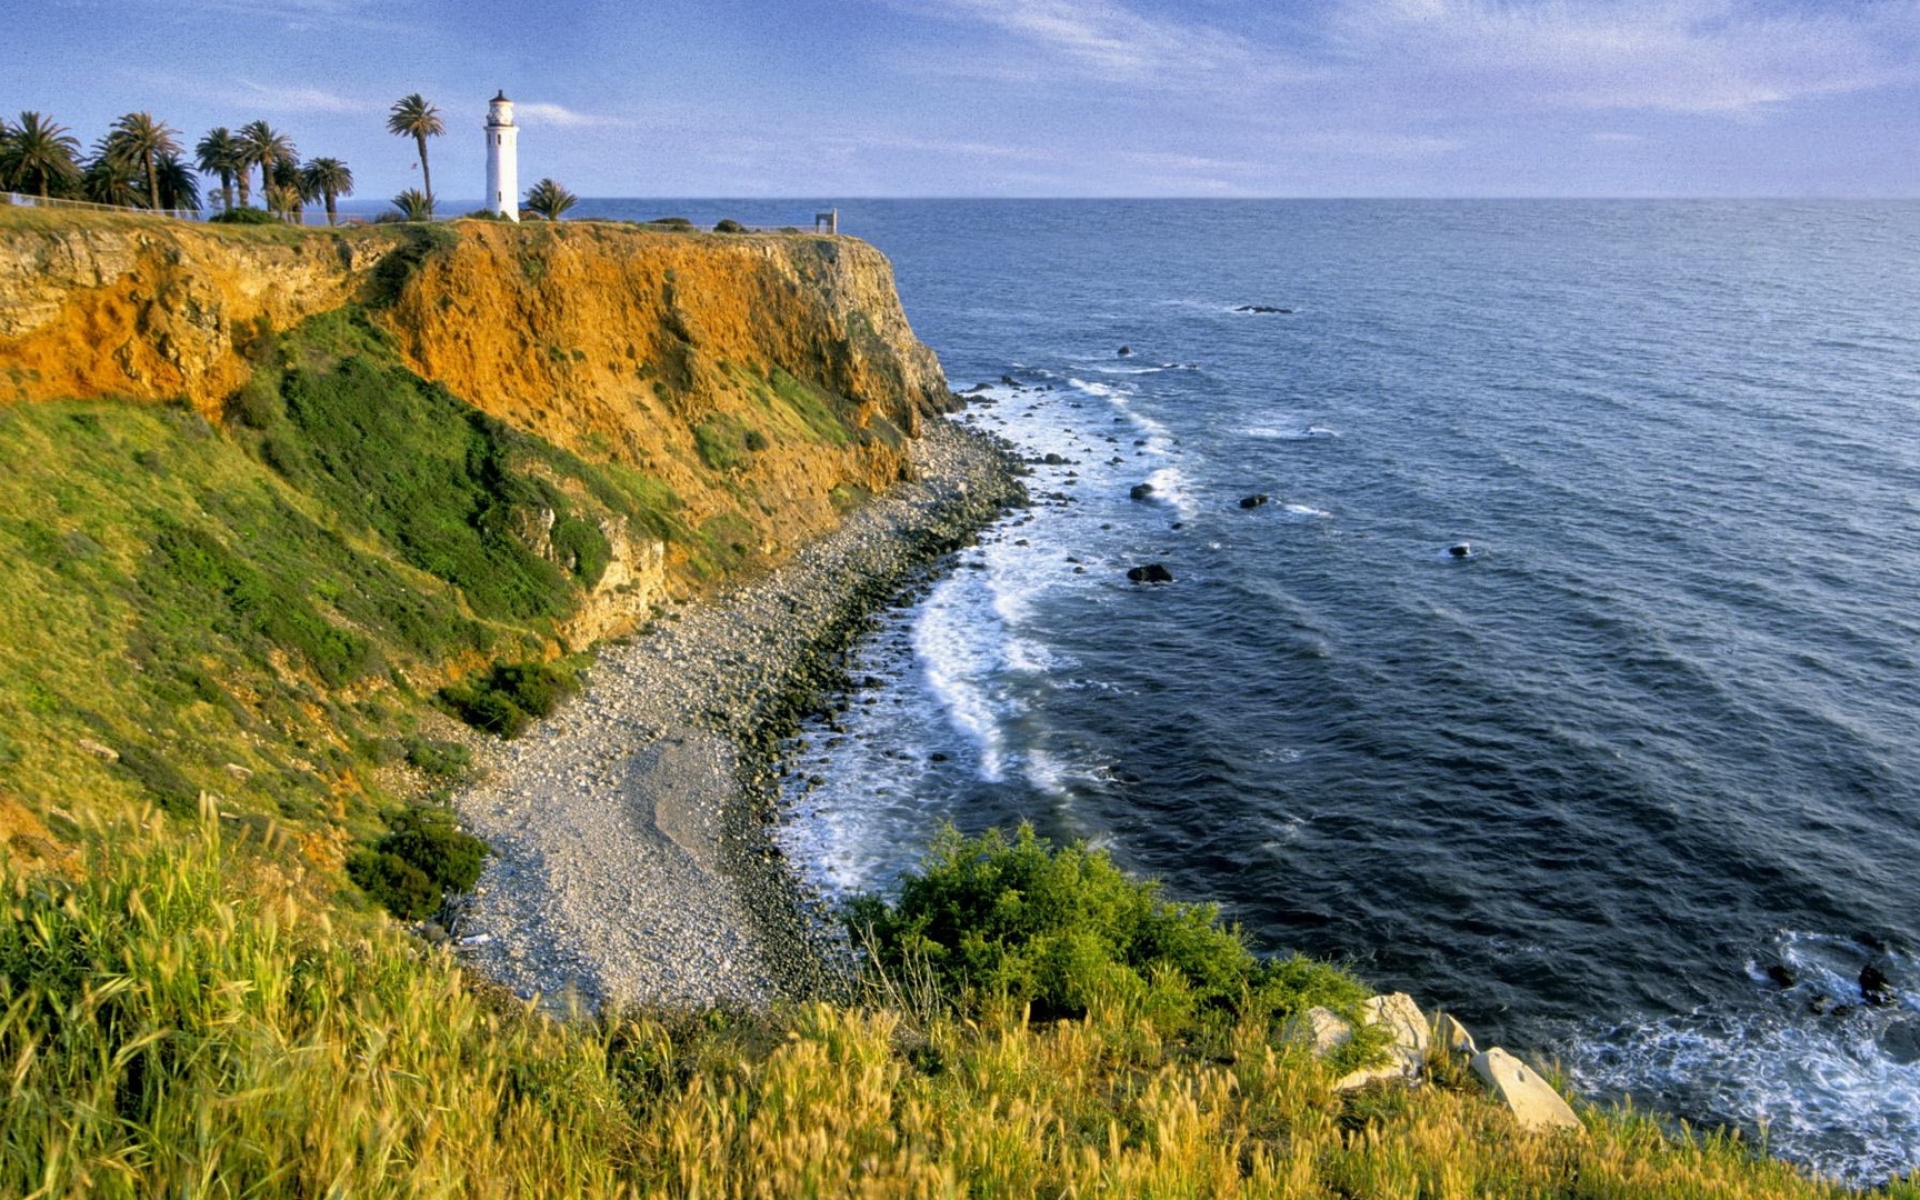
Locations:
column 503, row 158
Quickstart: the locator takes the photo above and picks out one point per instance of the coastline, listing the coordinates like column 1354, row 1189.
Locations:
column 633, row 862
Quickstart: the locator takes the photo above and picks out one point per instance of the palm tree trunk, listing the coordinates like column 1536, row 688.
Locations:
column 426, row 176
column 246, row 190
column 153, row 182
column 330, row 220
column 226, row 189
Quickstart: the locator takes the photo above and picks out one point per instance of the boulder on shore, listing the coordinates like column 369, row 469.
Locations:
column 1406, row 1055
column 1533, row 1102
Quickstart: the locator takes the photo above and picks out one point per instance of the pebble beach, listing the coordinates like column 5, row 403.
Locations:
column 632, row 859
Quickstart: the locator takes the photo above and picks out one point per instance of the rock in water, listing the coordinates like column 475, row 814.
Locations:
column 1534, row 1104
column 1140, row 491
column 1151, row 573
column 1461, row 550
column 1253, row 501
column 1125, row 352
column 1875, row 987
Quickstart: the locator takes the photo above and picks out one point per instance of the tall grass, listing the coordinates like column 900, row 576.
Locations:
column 182, row 1022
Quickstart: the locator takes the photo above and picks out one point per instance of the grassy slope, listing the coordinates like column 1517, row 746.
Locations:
column 180, row 1023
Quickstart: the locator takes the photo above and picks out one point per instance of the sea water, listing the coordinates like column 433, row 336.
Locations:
column 1632, row 783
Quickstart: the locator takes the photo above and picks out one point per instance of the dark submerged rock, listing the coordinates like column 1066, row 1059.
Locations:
column 1151, row 573
column 1253, row 501
column 1875, row 987
column 1140, row 491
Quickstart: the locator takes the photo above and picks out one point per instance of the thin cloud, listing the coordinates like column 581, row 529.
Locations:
column 1113, row 42
column 300, row 99
column 1727, row 57
column 544, row 113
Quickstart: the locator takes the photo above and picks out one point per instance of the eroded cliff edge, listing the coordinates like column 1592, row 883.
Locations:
column 271, row 489
column 767, row 381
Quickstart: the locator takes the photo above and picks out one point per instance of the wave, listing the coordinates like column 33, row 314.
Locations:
column 1808, row 1068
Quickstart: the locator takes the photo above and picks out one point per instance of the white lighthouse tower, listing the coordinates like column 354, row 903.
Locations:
column 503, row 159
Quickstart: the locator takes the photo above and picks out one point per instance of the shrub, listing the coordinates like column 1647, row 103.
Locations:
column 729, row 225
column 396, row 883
column 422, row 855
column 428, row 840
column 536, row 687
column 244, row 216
column 507, row 698
column 1062, row 929
column 480, row 706
column 446, row 760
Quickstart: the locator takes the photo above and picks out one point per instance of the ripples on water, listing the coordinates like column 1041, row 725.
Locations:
column 1585, row 788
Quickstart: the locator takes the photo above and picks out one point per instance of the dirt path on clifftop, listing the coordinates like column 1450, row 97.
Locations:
column 631, row 861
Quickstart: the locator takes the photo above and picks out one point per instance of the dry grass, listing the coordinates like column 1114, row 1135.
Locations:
column 180, row 1023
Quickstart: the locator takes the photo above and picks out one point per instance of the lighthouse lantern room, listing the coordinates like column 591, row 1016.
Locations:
column 503, row 159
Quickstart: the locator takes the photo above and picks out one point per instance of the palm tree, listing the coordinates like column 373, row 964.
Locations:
column 38, row 154
column 111, row 177
column 549, row 199
column 218, row 153
column 326, row 179
column 414, row 205
column 286, row 196
column 411, row 116
column 263, row 146
column 141, row 140
column 179, row 188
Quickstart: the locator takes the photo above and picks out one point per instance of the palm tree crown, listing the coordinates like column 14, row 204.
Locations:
column 413, row 205
column 411, row 116
column 111, row 177
column 549, row 199
column 265, row 147
column 326, row 179
column 139, row 139
column 38, row 154
column 218, row 153
column 179, row 187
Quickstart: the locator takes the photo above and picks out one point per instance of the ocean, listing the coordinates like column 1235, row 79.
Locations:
column 1632, row 783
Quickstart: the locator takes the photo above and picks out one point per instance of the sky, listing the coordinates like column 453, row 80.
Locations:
column 869, row 98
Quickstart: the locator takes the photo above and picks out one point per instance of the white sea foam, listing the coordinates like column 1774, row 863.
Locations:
column 960, row 643
column 1833, row 1083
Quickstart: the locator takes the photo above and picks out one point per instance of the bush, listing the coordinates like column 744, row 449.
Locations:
column 729, row 225
column 428, row 840
column 506, row 699
column 244, row 216
column 446, row 760
column 476, row 703
column 422, row 855
column 396, row 883
column 1062, row 929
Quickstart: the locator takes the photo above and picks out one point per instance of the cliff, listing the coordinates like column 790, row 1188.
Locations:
column 764, row 379
column 271, row 489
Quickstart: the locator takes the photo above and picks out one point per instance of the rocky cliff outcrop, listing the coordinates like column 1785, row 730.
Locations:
column 762, row 381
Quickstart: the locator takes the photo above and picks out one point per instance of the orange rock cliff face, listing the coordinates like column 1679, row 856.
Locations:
column 765, row 378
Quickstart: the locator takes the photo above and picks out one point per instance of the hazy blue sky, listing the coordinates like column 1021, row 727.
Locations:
column 826, row 98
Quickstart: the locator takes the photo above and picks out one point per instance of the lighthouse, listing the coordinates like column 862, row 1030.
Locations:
column 503, row 159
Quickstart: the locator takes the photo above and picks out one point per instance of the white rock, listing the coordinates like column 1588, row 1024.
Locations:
column 1453, row 1035
column 1405, row 1056
column 1535, row 1105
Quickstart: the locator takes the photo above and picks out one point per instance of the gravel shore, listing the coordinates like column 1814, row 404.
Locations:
column 631, row 857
